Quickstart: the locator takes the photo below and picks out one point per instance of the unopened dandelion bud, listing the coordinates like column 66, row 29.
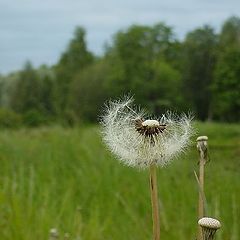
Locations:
column 66, row 236
column 53, row 234
column 209, row 227
column 202, row 146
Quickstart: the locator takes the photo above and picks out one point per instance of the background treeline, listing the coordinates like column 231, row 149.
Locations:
column 200, row 73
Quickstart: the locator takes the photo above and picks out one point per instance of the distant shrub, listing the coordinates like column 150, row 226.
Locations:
column 69, row 119
column 34, row 118
column 9, row 119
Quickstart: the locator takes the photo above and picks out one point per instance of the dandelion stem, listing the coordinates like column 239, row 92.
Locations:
column 200, row 201
column 202, row 148
column 154, row 198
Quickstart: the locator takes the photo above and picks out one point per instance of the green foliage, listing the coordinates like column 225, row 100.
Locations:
column 142, row 59
column 33, row 118
column 199, row 62
column 33, row 95
column 136, row 48
column 8, row 86
column 76, row 55
column 226, row 87
column 69, row 118
column 163, row 88
column 47, row 97
column 27, row 91
column 230, row 34
column 199, row 74
column 89, row 91
column 74, row 60
column 66, row 179
column 9, row 119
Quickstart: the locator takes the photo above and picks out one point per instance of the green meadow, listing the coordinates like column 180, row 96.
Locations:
column 62, row 178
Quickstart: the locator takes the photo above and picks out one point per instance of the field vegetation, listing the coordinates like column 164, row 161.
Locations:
column 64, row 178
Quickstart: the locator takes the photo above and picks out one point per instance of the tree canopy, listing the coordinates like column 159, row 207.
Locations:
column 200, row 74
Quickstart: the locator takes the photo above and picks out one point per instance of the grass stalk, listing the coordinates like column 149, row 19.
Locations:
column 154, row 199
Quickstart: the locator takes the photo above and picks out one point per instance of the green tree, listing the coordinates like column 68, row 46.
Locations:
column 2, row 86
column 8, row 84
column 73, row 60
column 142, row 58
column 47, row 91
column 26, row 93
column 164, row 88
column 230, row 33
column 198, row 67
column 9, row 119
column 89, row 91
column 226, row 87
column 47, row 96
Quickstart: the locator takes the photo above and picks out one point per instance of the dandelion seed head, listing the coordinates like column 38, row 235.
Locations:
column 140, row 141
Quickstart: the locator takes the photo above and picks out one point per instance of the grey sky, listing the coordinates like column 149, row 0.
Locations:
column 39, row 30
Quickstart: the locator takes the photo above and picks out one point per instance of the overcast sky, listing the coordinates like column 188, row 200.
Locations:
column 39, row 30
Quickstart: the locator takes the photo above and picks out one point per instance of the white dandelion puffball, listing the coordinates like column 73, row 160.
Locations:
column 140, row 141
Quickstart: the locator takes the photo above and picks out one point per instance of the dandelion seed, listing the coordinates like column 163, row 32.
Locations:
column 141, row 141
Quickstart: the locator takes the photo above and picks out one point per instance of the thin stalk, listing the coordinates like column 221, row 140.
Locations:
column 201, row 200
column 201, row 185
column 202, row 149
column 154, row 199
column 202, row 194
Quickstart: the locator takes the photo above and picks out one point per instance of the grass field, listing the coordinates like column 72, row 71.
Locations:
column 66, row 179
